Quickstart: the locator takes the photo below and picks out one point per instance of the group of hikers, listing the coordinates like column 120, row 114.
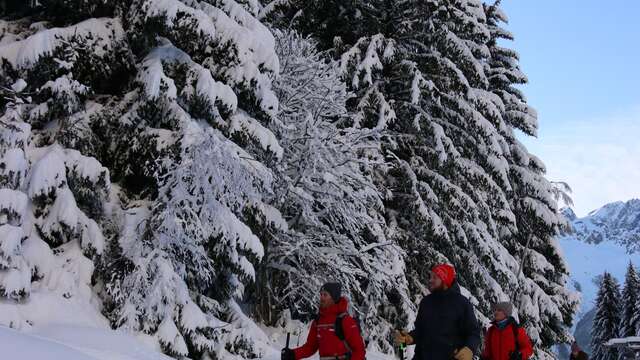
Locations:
column 445, row 328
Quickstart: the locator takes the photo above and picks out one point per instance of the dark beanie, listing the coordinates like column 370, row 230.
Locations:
column 334, row 289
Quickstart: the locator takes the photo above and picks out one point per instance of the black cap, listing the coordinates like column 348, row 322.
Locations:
column 334, row 289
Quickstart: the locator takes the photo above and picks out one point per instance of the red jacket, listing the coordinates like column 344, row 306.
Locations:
column 323, row 339
column 498, row 344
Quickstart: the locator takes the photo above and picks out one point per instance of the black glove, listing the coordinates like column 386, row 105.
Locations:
column 287, row 354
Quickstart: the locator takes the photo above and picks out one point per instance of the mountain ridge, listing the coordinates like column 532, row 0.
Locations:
column 617, row 221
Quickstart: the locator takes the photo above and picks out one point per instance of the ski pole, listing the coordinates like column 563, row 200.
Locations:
column 288, row 338
column 401, row 348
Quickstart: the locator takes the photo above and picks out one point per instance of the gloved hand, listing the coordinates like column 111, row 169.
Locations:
column 402, row 337
column 287, row 354
column 463, row 354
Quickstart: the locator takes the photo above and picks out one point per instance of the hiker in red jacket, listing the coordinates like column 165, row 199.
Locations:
column 577, row 353
column 500, row 342
column 323, row 335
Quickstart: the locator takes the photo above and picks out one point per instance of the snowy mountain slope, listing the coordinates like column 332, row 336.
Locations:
column 582, row 333
column 604, row 240
column 618, row 222
column 587, row 261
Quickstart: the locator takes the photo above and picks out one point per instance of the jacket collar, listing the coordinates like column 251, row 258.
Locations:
column 454, row 289
column 509, row 321
column 335, row 309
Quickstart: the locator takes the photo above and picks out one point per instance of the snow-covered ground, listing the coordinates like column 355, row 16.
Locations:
column 299, row 331
column 49, row 325
column 73, row 342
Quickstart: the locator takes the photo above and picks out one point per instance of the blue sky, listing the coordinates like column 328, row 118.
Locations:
column 582, row 58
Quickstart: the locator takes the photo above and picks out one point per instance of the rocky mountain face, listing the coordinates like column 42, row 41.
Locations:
column 618, row 222
column 582, row 332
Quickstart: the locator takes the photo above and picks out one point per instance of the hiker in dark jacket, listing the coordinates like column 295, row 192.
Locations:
column 323, row 336
column 505, row 336
column 577, row 353
column 446, row 326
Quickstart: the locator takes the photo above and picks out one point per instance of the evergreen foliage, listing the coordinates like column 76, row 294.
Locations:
column 607, row 319
column 181, row 164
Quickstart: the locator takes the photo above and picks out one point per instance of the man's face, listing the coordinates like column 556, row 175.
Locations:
column 325, row 299
column 435, row 283
column 499, row 315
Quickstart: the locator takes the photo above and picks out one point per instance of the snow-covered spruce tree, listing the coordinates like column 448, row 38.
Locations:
column 47, row 215
column 335, row 229
column 607, row 319
column 458, row 186
column 532, row 197
column 636, row 317
column 52, row 197
column 173, row 98
column 630, row 312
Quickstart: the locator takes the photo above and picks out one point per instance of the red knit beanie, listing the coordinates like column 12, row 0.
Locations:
column 446, row 273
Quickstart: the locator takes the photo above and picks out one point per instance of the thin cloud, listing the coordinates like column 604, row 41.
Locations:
column 599, row 158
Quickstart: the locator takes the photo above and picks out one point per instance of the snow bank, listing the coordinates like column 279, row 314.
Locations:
column 49, row 307
column 74, row 343
column 16, row 345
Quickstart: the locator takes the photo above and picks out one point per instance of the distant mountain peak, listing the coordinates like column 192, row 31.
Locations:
column 618, row 222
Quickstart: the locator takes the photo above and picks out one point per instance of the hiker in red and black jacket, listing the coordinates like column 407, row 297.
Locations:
column 500, row 342
column 325, row 337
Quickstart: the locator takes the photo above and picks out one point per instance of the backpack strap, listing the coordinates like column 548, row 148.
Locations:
column 515, row 327
column 338, row 329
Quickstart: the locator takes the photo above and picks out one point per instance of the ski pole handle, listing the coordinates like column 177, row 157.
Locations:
column 288, row 338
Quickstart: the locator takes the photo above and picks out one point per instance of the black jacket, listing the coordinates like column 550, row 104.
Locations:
column 445, row 322
column 580, row 356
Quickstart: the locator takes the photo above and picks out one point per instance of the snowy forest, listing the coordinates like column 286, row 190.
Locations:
column 192, row 170
column 617, row 315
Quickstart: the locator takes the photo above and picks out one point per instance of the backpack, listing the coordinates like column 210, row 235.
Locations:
column 339, row 329
column 515, row 354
